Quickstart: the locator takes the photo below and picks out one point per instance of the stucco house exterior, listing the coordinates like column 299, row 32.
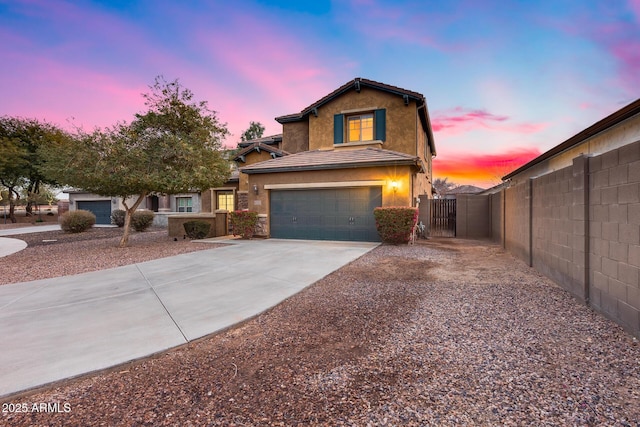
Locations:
column 161, row 205
column 364, row 145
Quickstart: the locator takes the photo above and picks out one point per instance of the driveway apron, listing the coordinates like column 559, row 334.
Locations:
column 59, row 328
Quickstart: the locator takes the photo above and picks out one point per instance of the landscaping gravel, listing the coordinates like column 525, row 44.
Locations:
column 56, row 253
column 443, row 332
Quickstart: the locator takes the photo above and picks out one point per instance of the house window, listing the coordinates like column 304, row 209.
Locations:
column 225, row 200
column 185, row 204
column 360, row 128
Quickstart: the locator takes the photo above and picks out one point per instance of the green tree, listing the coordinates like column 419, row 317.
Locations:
column 20, row 159
column 255, row 130
column 174, row 147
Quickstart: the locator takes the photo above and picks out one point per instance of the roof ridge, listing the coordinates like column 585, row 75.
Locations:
column 345, row 87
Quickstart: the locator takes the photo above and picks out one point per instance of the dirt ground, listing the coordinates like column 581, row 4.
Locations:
column 45, row 214
column 444, row 332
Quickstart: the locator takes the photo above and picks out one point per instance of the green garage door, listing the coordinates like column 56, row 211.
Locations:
column 100, row 208
column 325, row 214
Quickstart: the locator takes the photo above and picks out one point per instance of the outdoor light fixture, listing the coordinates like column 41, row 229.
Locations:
column 394, row 186
column 255, row 188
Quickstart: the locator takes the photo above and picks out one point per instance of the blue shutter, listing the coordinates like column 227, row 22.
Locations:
column 338, row 129
column 381, row 125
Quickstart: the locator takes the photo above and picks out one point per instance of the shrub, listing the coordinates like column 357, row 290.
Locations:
column 141, row 220
column 243, row 223
column 117, row 217
column 197, row 229
column 77, row 221
column 395, row 224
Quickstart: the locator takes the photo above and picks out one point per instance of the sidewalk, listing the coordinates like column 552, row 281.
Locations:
column 29, row 229
column 59, row 328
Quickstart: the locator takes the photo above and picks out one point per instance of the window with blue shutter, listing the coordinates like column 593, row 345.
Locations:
column 381, row 124
column 362, row 127
column 338, row 129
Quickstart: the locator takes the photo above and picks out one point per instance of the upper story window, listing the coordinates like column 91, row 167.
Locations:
column 360, row 128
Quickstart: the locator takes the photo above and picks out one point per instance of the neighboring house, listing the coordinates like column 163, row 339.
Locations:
column 163, row 205
column 461, row 189
column 366, row 144
column 221, row 198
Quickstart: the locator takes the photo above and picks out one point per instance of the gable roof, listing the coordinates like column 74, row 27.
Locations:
column 604, row 124
column 357, row 84
column 258, row 146
column 269, row 140
column 465, row 189
column 334, row 159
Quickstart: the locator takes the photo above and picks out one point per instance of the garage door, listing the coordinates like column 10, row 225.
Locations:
column 325, row 214
column 101, row 209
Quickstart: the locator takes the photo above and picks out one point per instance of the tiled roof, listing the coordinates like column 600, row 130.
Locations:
column 600, row 126
column 257, row 146
column 356, row 83
column 269, row 140
column 465, row 189
column 334, row 159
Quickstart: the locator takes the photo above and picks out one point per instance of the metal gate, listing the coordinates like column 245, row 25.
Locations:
column 443, row 217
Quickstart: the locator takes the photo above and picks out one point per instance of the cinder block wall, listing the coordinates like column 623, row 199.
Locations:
column 472, row 216
column 580, row 226
column 614, row 235
column 556, row 236
column 496, row 202
column 517, row 216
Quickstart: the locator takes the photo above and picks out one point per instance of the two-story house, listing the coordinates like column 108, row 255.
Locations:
column 366, row 144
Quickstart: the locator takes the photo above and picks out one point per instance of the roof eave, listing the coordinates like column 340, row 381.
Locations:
column 409, row 162
column 614, row 119
column 344, row 88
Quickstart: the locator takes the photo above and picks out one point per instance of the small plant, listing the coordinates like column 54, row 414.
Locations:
column 141, row 220
column 243, row 223
column 197, row 229
column 395, row 224
column 117, row 217
column 77, row 221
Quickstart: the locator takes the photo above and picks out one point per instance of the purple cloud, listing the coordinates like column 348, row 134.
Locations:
column 459, row 120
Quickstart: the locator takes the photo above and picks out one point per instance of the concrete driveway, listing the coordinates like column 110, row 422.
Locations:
column 59, row 328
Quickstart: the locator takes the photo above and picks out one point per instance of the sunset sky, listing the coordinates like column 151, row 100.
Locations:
column 504, row 80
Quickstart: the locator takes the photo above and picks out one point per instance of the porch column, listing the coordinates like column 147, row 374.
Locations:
column 164, row 204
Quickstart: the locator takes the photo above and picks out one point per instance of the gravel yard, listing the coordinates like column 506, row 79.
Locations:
column 56, row 253
column 444, row 332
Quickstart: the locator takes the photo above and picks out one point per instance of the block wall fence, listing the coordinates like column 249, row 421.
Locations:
column 579, row 226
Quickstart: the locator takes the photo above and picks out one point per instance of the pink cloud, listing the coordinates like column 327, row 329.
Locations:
column 484, row 170
column 390, row 22
column 270, row 63
column 70, row 95
column 634, row 5
column 459, row 120
column 614, row 31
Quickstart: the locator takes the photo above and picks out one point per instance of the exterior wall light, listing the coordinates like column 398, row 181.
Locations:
column 255, row 188
column 394, row 186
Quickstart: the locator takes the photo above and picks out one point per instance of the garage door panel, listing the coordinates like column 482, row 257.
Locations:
column 100, row 208
column 325, row 214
